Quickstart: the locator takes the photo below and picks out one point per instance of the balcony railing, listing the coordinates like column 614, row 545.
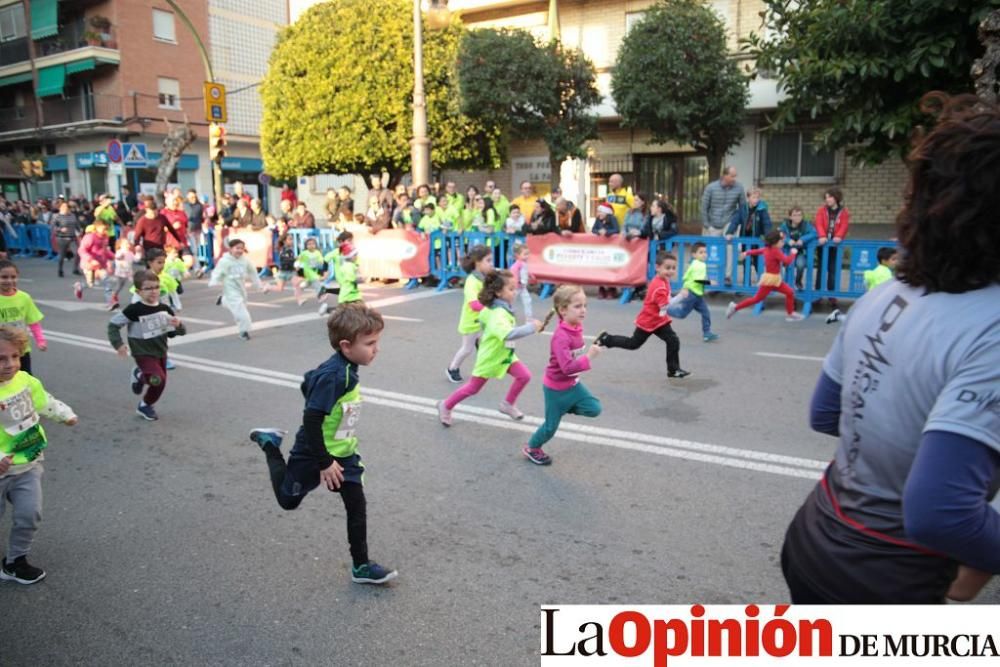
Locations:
column 63, row 112
column 14, row 51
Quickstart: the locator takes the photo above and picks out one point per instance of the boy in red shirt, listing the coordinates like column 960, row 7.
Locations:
column 653, row 320
column 774, row 261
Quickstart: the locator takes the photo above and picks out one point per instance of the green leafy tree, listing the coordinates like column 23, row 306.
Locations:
column 339, row 89
column 673, row 75
column 532, row 90
column 861, row 66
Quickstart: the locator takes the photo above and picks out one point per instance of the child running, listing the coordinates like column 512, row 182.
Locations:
column 496, row 356
column 653, row 319
column 329, row 284
column 18, row 310
column 310, row 268
column 477, row 263
column 232, row 272
column 22, row 400
column 771, row 281
column 286, row 261
column 346, row 270
column 326, row 447
column 692, row 295
column 884, row 272
column 95, row 257
column 124, row 268
column 521, row 275
column 150, row 323
column 561, row 386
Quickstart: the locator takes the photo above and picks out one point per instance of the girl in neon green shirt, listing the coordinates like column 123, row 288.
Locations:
column 496, row 356
column 477, row 263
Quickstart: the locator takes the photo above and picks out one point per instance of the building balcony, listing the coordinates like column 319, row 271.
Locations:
column 89, row 109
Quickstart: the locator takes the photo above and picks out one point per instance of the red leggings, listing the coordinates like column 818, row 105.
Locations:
column 762, row 293
column 154, row 375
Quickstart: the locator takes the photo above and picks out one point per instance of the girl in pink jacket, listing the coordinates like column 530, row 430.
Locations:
column 561, row 386
column 95, row 256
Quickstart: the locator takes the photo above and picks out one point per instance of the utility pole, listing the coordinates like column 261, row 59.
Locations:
column 210, row 76
column 420, row 145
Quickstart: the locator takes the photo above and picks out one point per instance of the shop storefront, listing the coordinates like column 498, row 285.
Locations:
column 94, row 168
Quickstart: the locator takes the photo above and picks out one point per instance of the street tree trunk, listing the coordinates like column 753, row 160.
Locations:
column 984, row 70
column 178, row 138
column 555, row 169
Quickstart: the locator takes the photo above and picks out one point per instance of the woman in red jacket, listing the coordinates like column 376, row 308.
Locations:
column 832, row 220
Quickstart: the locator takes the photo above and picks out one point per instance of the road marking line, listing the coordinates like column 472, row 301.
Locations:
column 71, row 306
column 549, row 333
column 262, row 305
column 311, row 316
column 400, row 318
column 195, row 320
column 800, row 357
column 746, row 459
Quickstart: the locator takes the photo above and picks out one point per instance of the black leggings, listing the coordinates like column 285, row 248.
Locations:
column 64, row 246
column 639, row 336
column 302, row 479
column 26, row 362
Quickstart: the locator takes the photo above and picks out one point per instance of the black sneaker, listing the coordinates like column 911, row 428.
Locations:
column 602, row 339
column 218, row 301
column 21, row 571
column 136, row 381
column 372, row 573
column 454, row 375
column 678, row 374
column 244, row 336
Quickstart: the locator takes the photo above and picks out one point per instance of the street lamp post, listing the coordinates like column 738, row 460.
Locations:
column 420, row 145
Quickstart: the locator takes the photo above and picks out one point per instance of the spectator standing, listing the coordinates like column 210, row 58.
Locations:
column 195, row 212
column 721, row 200
column 258, row 218
column 606, row 225
column 832, row 221
column 635, row 219
column 288, row 195
column 303, row 219
column 543, row 219
column 661, row 223
column 619, row 197
column 526, row 200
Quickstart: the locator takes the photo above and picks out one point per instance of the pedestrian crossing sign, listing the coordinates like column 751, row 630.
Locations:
column 135, row 155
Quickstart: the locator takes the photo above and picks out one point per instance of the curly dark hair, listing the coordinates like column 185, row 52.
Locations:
column 494, row 282
column 475, row 254
column 948, row 228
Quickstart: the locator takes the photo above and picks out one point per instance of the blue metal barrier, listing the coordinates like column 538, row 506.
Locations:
column 446, row 256
column 810, row 276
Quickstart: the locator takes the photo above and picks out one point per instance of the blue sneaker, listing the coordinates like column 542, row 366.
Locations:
column 136, row 381
column 146, row 412
column 170, row 365
column 709, row 337
column 268, row 437
column 372, row 573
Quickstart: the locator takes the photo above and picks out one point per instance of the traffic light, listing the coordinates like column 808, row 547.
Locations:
column 37, row 168
column 216, row 142
column 26, row 167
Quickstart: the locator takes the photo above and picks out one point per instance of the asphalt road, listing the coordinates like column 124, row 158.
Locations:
column 163, row 543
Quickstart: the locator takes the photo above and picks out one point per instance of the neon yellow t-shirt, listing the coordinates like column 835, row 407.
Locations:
column 496, row 353
column 695, row 272
column 19, row 310
column 877, row 276
column 22, row 436
column 469, row 322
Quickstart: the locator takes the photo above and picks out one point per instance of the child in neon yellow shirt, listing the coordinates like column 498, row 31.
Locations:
column 23, row 400
column 496, row 356
column 477, row 263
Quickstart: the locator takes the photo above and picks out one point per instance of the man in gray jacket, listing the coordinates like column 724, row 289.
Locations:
column 721, row 200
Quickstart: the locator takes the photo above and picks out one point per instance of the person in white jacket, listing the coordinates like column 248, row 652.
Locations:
column 232, row 272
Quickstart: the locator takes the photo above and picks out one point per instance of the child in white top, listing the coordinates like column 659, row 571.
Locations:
column 232, row 272
column 125, row 260
column 515, row 220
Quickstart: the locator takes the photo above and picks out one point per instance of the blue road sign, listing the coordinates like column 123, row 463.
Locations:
column 114, row 151
column 135, row 155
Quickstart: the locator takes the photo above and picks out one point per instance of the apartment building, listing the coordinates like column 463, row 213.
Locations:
column 783, row 165
column 76, row 74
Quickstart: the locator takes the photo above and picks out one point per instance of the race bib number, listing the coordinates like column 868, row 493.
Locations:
column 349, row 416
column 157, row 324
column 30, row 443
column 17, row 413
column 510, row 344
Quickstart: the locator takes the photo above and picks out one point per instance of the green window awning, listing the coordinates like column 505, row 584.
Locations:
column 84, row 65
column 16, row 78
column 51, row 81
column 44, row 18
